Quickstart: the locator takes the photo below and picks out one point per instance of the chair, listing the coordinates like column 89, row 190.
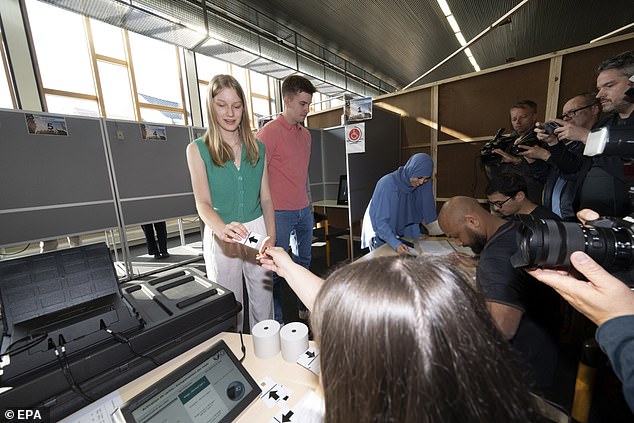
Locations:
column 321, row 222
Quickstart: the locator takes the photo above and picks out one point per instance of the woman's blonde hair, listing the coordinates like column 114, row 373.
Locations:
column 219, row 151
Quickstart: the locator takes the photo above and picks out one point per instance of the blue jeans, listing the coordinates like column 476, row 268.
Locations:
column 293, row 228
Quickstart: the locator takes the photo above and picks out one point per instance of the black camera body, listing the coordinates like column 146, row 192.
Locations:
column 529, row 141
column 549, row 243
column 549, row 127
column 487, row 156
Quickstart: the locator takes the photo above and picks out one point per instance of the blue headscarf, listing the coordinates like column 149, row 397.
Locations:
column 419, row 204
column 420, row 164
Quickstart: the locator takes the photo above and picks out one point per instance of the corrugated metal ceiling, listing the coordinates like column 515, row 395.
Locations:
column 363, row 47
column 399, row 40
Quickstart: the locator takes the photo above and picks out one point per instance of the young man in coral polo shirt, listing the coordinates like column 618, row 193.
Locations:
column 288, row 154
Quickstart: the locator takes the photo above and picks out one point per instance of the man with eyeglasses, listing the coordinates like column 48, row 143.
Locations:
column 564, row 153
column 604, row 188
column 602, row 184
column 506, row 194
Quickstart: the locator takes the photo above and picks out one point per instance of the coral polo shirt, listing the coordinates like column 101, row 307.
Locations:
column 287, row 155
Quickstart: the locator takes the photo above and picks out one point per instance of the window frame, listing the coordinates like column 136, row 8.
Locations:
column 7, row 72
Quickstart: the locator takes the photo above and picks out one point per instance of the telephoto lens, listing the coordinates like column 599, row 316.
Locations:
column 549, row 243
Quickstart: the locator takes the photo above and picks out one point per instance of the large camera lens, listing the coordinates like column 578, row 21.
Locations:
column 549, row 243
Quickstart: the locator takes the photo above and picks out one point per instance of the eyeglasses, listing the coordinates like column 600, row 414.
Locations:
column 498, row 204
column 571, row 114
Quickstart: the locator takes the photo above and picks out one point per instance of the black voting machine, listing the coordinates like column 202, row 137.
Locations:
column 67, row 321
column 72, row 332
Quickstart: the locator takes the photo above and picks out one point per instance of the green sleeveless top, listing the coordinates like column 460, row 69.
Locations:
column 235, row 194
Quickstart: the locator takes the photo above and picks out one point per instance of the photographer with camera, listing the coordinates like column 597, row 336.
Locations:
column 564, row 153
column 501, row 154
column 603, row 187
column 525, row 312
column 605, row 300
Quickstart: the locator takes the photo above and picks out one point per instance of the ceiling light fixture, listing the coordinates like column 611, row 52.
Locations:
column 453, row 23
column 609, row 34
column 473, row 40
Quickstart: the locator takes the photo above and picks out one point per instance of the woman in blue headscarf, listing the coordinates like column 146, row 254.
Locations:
column 400, row 202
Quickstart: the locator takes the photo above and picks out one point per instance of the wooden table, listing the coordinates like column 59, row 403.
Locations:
column 291, row 375
column 440, row 246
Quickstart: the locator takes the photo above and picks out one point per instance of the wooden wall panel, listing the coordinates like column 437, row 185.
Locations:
column 415, row 108
column 459, row 170
column 478, row 106
column 578, row 69
column 475, row 107
column 326, row 119
column 406, row 154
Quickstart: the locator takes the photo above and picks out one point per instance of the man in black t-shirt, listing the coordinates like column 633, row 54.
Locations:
column 525, row 311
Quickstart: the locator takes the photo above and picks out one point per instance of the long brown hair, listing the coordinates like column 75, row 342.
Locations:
column 219, row 151
column 409, row 340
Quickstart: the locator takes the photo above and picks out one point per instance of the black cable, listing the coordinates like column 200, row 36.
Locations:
column 123, row 340
column 33, row 342
column 63, row 362
column 243, row 348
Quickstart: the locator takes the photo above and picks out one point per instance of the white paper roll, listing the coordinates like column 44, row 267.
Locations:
column 266, row 338
column 294, row 338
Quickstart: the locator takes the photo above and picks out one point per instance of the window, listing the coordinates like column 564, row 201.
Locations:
column 64, row 59
column 258, row 88
column 112, row 70
column 315, row 105
column 158, row 80
column 115, row 88
column 6, row 94
column 208, row 67
column 88, row 67
column 260, row 98
column 108, row 40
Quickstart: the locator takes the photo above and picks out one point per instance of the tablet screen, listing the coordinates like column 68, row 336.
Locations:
column 212, row 387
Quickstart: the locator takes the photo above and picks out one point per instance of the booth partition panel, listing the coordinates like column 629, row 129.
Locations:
column 381, row 156
column 334, row 160
column 316, row 166
column 54, row 177
column 150, row 170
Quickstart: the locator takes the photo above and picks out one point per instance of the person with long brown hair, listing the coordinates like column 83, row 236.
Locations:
column 231, row 188
column 407, row 340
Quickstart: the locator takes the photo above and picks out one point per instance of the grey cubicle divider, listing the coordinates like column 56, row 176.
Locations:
column 334, row 160
column 52, row 184
column 382, row 156
column 315, row 167
column 151, row 176
column 197, row 132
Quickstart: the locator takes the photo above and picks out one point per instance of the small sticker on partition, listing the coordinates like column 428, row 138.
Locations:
column 37, row 124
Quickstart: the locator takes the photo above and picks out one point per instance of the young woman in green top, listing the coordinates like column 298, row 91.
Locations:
column 231, row 188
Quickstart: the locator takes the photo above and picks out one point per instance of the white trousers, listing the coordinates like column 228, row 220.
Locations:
column 227, row 263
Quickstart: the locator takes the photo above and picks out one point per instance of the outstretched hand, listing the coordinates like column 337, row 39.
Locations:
column 602, row 298
column 275, row 259
column 234, row 232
